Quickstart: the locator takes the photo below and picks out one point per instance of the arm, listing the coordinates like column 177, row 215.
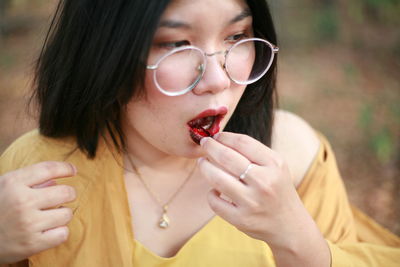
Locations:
column 354, row 239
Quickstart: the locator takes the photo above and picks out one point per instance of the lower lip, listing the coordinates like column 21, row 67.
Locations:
column 215, row 127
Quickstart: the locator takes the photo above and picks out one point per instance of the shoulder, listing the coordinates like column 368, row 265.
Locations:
column 296, row 141
column 33, row 147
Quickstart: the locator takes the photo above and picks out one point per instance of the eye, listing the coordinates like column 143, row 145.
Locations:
column 237, row 37
column 172, row 45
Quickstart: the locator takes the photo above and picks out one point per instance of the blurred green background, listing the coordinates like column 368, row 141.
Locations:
column 339, row 68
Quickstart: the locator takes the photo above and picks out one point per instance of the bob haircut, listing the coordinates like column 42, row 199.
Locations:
column 92, row 64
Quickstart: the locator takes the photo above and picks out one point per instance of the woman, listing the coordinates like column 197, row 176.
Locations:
column 135, row 95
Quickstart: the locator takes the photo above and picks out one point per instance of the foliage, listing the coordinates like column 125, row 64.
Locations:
column 382, row 135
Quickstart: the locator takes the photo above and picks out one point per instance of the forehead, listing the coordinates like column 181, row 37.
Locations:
column 203, row 11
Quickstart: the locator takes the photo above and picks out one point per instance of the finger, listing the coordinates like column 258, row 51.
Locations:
column 52, row 238
column 250, row 148
column 221, row 207
column 54, row 218
column 53, row 196
column 45, row 184
column 44, row 171
column 230, row 160
column 222, row 181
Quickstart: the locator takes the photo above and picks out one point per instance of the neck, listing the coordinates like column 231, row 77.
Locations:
column 145, row 156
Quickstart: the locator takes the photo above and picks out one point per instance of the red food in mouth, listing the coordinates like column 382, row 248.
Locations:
column 206, row 124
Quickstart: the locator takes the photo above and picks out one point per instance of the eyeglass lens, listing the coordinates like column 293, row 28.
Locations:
column 245, row 63
column 179, row 70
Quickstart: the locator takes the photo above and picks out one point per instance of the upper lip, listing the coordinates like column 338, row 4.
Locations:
column 221, row 111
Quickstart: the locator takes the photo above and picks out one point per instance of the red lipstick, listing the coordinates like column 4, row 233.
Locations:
column 206, row 123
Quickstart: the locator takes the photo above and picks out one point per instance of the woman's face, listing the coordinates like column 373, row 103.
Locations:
column 173, row 125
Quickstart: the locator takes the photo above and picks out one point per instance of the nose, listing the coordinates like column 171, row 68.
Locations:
column 215, row 79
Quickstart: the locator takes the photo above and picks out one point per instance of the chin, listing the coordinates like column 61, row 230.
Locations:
column 192, row 150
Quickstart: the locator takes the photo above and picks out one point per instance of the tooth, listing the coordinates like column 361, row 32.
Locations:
column 206, row 127
column 208, row 122
column 205, row 123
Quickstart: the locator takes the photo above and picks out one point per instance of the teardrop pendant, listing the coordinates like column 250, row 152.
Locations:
column 164, row 221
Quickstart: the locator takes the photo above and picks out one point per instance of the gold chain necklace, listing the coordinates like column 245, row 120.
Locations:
column 164, row 221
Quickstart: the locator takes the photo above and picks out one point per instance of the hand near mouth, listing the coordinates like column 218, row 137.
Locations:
column 264, row 202
column 206, row 124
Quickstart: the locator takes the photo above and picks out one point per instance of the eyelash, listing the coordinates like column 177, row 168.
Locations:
column 232, row 39
column 172, row 45
column 241, row 36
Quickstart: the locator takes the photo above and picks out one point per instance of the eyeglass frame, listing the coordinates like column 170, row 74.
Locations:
column 274, row 50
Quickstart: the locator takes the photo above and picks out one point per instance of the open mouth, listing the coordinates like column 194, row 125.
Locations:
column 206, row 124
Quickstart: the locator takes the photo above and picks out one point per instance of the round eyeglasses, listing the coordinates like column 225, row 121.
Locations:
column 180, row 70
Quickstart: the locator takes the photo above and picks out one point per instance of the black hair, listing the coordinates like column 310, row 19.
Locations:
column 254, row 115
column 91, row 65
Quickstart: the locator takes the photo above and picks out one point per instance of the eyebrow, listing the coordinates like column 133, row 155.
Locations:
column 242, row 15
column 175, row 24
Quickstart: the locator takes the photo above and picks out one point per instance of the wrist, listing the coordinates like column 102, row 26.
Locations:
column 302, row 245
column 311, row 250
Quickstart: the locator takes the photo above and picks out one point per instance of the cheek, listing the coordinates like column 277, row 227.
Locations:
column 234, row 95
column 155, row 116
column 239, row 65
column 150, row 87
column 151, row 122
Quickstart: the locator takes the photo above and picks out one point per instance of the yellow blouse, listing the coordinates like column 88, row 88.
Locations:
column 101, row 233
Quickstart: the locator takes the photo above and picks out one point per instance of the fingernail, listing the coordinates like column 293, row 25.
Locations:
column 203, row 140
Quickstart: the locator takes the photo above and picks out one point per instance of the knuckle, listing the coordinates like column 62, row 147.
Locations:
column 63, row 234
column 7, row 181
column 67, row 215
column 21, row 203
column 202, row 163
column 207, row 145
column 68, row 192
column 264, row 186
column 246, row 223
column 253, row 206
column 243, row 141
column 48, row 168
column 29, row 247
column 56, row 236
column 225, row 158
column 265, row 189
column 278, row 160
column 12, row 193
column 28, row 244
column 213, row 204
column 217, row 183
column 25, row 223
